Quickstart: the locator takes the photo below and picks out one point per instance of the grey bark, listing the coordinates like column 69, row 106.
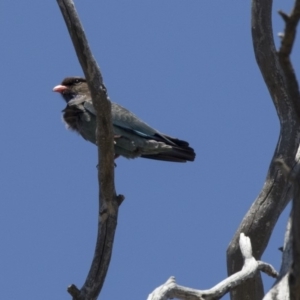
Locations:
column 108, row 200
column 170, row 289
column 261, row 218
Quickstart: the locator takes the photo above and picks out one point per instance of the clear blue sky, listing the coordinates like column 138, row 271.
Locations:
column 185, row 67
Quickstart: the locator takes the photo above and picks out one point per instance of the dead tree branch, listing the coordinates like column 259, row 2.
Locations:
column 294, row 274
column 287, row 43
column 108, row 201
column 280, row 289
column 287, row 285
column 170, row 289
column 261, row 218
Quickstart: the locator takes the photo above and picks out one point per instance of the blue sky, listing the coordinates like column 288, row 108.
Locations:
column 185, row 67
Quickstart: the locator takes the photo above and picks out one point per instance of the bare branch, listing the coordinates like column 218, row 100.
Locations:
column 287, row 42
column 294, row 275
column 108, row 201
column 280, row 289
column 288, row 282
column 170, row 289
column 260, row 220
column 267, row 268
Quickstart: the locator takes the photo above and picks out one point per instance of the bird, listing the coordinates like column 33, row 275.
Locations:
column 132, row 137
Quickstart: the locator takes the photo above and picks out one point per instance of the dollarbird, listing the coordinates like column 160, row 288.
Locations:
column 132, row 137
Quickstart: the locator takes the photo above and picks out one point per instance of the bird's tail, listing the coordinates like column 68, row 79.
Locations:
column 180, row 151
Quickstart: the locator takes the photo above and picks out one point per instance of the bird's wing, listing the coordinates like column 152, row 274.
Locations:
column 126, row 120
column 133, row 136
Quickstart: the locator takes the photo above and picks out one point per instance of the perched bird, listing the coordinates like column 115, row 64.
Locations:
column 132, row 137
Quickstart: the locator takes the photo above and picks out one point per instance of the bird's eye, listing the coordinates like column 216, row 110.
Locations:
column 76, row 81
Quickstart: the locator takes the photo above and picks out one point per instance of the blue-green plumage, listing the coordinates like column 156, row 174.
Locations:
column 133, row 137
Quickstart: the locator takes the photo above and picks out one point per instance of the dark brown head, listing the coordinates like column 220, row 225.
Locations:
column 72, row 87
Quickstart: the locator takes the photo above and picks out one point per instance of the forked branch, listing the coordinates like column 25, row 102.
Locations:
column 261, row 218
column 170, row 289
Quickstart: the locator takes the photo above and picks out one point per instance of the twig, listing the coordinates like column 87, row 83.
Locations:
column 108, row 201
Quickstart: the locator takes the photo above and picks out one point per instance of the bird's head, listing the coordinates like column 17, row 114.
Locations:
column 72, row 87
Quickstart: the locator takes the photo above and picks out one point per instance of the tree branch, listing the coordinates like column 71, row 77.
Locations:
column 108, row 201
column 288, row 282
column 294, row 274
column 170, row 289
column 280, row 289
column 261, row 218
column 287, row 42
